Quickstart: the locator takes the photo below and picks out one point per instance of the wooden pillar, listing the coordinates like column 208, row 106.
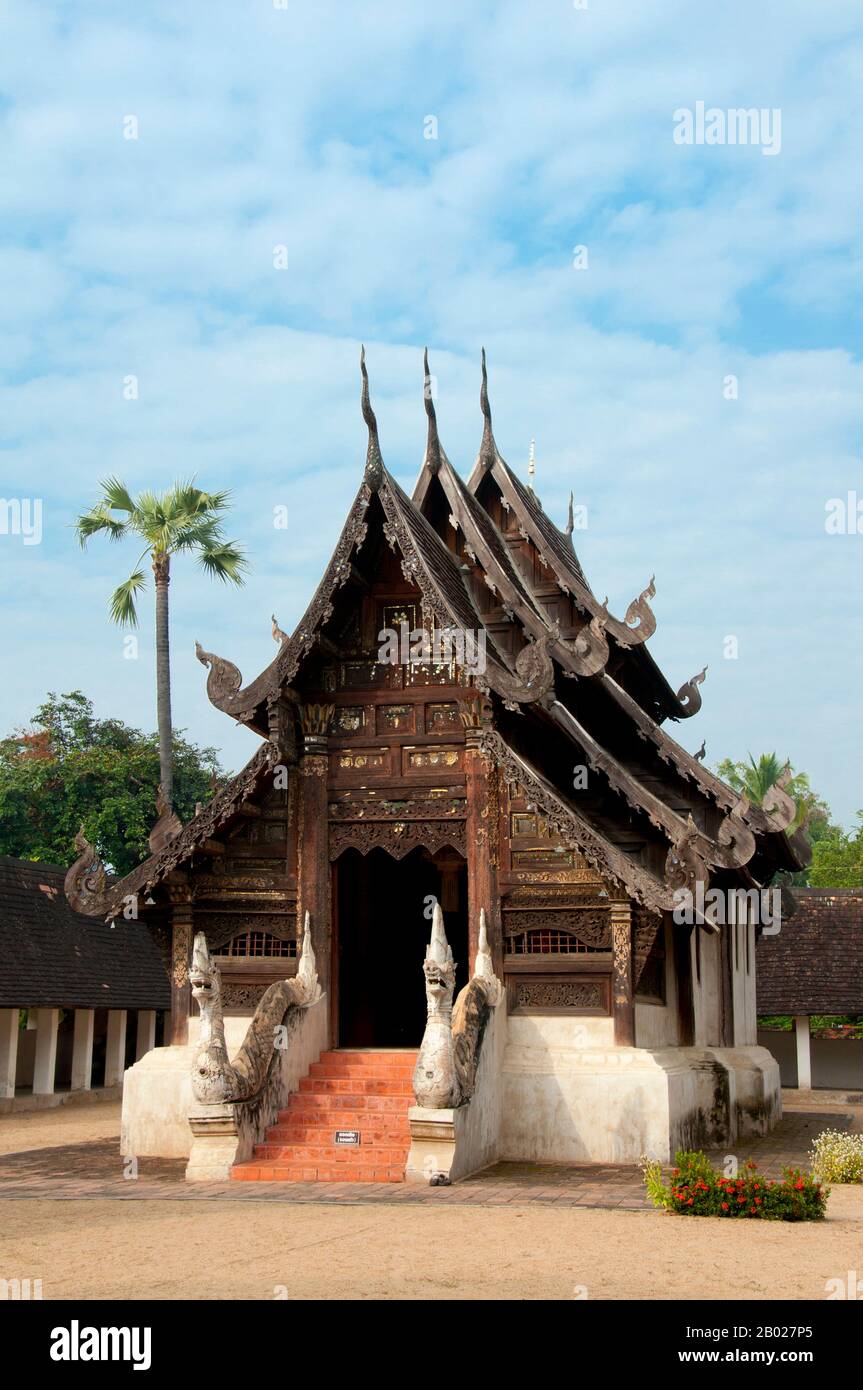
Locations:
column 115, row 1047
column 685, row 943
column 145, row 1039
column 804, row 1058
column 82, row 1050
column 48, row 1021
column 8, row 1052
column 313, row 877
column 482, row 833
column 181, row 956
column 623, row 1003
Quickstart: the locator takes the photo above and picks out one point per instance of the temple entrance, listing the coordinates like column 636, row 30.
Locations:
column 381, row 934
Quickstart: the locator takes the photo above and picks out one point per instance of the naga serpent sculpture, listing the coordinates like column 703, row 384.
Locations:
column 445, row 1073
column 215, row 1077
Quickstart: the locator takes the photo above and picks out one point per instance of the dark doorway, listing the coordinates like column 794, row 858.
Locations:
column 382, row 932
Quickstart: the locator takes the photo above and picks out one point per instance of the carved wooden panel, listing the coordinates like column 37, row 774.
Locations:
column 398, row 838
column 396, row 719
column 241, row 998
column 442, row 717
column 440, row 759
column 349, row 719
column 538, row 995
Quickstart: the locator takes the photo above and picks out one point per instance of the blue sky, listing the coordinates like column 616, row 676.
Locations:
column 304, row 127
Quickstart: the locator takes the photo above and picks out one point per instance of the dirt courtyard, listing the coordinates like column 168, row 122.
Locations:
column 250, row 1250
column 219, row 1246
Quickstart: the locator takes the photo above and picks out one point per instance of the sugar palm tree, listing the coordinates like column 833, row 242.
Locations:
column 754, row 779
column 182, row 520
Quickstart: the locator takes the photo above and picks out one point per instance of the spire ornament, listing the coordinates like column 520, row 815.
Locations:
column 488, row 448
column 570, row 522
column 374, row 461
column 433, row 450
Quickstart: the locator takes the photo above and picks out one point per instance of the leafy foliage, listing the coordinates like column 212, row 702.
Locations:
column 837, row 858
column 697, row 1189
column 72, row 769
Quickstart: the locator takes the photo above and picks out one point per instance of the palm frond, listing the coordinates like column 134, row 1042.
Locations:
column 97, row 520
column 117, row 495
column 225, row 561
column 122, row 604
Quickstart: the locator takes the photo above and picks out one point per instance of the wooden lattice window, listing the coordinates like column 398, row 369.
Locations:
column 257, row 944
column 549, row 942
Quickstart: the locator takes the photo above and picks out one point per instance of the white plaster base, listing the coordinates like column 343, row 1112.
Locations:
column 571, row 1095
column 157, row 1096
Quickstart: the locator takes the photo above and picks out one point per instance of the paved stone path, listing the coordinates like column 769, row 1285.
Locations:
column 95, row 1170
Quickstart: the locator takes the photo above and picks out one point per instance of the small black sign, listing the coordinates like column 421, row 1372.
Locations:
column 347, row 1136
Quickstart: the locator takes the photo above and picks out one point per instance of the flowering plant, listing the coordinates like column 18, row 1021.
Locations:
column 697, row 1189
column 838, row 1157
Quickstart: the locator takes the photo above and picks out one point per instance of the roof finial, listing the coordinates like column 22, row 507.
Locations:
column 487, row 448
column 531, row 464
column 570, row 521
column 432, row 458
column 374, row 462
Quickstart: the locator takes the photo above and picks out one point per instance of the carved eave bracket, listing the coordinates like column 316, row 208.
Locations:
column 588, row 652
column 689, row 696
column 735, row 838
column 224, row 680
column 282, row 729
column 639, row 621
column 534, row 675
column 86, row 883
column 686, row 869
column 167, row 826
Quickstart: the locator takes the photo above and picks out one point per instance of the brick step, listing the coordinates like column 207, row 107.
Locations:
column 303, row 1102
column 338, row 1071
column 390, row 1132
column 366, row 1091
column 371, row 1059
column 283, row 1170
column 375, row 1156
column 356, row 1085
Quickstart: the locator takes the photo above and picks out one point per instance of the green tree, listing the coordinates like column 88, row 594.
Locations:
column 837, row 858
column 182, row 520
column 754, row 779
column 72, row 769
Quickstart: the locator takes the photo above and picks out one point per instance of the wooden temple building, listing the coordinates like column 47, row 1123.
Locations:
column 532, row 783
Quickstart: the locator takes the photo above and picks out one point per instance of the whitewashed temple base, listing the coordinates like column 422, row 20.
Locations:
column 571, row 1096
column 157, row 1096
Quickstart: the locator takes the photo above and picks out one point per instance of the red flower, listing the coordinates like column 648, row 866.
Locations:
column 724, row 1206
column 741, row 1199
column 689, row 1203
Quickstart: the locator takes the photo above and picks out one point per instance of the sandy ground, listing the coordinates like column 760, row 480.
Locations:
column 63, row 1124
column 194, row 1249
column 201, row 1250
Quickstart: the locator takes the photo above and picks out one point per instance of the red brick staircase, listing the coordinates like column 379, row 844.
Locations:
column 351, row 1090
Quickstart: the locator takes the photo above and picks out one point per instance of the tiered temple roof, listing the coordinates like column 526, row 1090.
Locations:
column 565, row 685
